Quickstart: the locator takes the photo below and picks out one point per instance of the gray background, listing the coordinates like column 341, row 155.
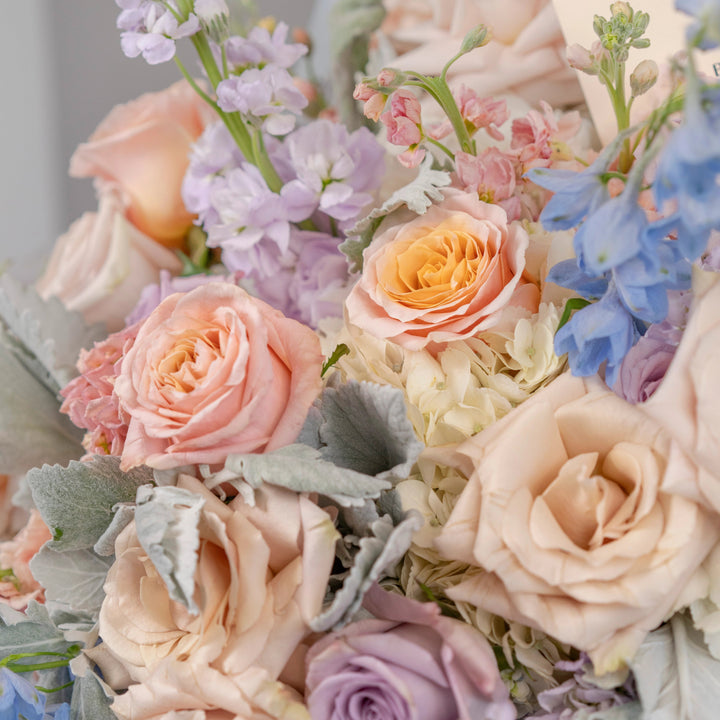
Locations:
column 63, row 70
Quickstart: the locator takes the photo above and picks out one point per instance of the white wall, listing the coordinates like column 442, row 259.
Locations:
column 63, row 70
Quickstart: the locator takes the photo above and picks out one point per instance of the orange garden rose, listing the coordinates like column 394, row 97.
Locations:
column 568, row 513
column 443, row 276
column 143, row 147
column 212, row 372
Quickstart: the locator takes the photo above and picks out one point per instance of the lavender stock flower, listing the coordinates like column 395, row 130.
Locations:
column 150, row 30
column 262, row 48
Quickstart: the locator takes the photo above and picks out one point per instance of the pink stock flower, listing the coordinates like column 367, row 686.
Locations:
column 374, row 101
column 482, row 112
column 492, row 176
column 89, row 398
column 212, row 372
column 412, row 157
column 386, row 77
column 534, row 135
column 403, row 119
column 17, row 584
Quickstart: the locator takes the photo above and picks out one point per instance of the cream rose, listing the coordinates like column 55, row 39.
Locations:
column 567, row 512
column 258, row 584
column 443, row 276
column 114, row 259
column 213, row 372
column 525, row 56
column 687, row 403
column 143, row 147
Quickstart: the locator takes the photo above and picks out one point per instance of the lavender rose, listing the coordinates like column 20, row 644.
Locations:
column 409, row 663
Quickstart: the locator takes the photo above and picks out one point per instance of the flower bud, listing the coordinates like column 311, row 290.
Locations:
column 579, row 57
column 386, row 77
column 643, row 77
column 621, row 8
column 214, row 15
column 477, row 37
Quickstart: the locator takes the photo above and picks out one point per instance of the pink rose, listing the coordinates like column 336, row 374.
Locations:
column 143, row 147
column 17, row 584
column 567, row 510
column 443, row 276
column 114, row 259
column 214, row 372
column 525, row 56
column 260, row 578
column 410, row 663
column 687, row 403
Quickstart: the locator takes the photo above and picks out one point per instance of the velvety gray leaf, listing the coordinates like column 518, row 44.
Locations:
column 26, row 637
column 48, row 334
column 354, row 245
column 124, row 515
column 166, row 520
column 90, row 701
column 302, row 469
column 676, row 676
column 76, row 502
column 377, row 553
column 32, row 429
column 365, row 428
column 74, row 578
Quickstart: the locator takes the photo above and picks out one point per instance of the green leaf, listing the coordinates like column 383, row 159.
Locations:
column 364, row 427
column 90, row 699
column 166, row 521
column 339, row 351
column 302, row 469
column 32, row 429
column 77, row 501
column 74, row 578
column 676, row 676
column 47, row 335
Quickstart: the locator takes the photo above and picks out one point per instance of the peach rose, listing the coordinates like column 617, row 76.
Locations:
column 525, row 56
column 17, row 584
column 687, row 403
column 188, row 691
column 576, row 532
column 260, row 579
column 143, row 147
column 114, row 259
column 212, row 372
column 443, row 276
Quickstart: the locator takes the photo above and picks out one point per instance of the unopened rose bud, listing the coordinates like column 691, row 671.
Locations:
column 643, row 77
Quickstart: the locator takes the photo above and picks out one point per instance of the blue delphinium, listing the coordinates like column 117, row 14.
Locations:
column 18, row 698
column 705, row 33
column 57, row 712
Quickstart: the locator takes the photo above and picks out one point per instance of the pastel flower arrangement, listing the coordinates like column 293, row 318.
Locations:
column 398, row 407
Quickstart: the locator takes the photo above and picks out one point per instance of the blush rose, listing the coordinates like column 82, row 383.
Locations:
column 408, row 663
column 143, row 147
column 577, row 533
column 114, row 259
column 258, row 583
column 213, row 372
column 443, row 276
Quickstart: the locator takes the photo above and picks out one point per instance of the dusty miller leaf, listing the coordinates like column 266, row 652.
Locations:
column 417, row 196
column 166, row 521
column 90, row 701
column 77, row 502
column 73, row 579
column 32, row 429
column 45, row 333
column 302, row 469
column 387, row 544
column 675, row 675
column 364, row 427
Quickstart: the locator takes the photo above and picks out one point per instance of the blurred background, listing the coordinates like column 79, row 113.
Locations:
column 63, row 72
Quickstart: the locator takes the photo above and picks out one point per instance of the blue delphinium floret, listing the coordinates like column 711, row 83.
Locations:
column 18, row 698
column 705, row 32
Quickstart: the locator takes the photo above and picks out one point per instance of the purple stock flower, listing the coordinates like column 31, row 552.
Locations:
column 150, row 30
column 268, row 94
column 338, row 167
column 262, row 48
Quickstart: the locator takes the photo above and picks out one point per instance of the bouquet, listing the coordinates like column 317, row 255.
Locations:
column 385, row 397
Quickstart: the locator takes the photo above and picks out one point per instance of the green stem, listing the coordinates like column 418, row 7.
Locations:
column 262, row 160
column 195, row 86
column 23, row 668
column 442, row 147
